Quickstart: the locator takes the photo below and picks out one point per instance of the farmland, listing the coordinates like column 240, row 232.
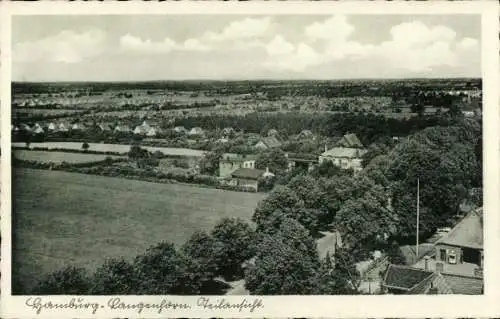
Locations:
column 65, row 219
column 117, row 148
column 58, row 157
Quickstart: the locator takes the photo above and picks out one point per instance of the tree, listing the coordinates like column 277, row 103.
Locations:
column 285, row 264
column 209, row 164
column 338, row 276
column 115, row 277
column 162, row 270
column 203, row 250
column 327, row 169
column 395, row 255
column 235, row 242
column 68, row 281
column 283, row 202
column 365, row 221
column 85, row 146
column 275, row 160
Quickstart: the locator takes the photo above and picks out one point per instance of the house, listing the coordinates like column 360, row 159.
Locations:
column 344, row 157
column 350, row 141
column 272, row 132
column 63, row 127
column 268, row 143
column 454, row 267
column 38, row 129
column 196, row 131
column 228, row 132
column 248, row 177
column 25, row 127
column 305, row 134
column 180, row 129
column 461, row 250
column 231, row 162
column 52, row 127
column 122, row 129
column 78, row 127
column 142, row 129
column 153, row 131
column 408, row 280
column 104, row 127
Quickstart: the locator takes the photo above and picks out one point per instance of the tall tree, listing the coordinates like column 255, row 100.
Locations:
column 114, row 277
column 285, row 264
column 235, row 242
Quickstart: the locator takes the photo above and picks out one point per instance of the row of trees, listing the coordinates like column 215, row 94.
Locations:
column 368, row 127
column 193, row 268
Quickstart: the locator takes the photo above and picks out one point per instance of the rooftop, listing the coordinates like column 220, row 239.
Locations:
column 248, row 173
column 467, row 233
column 350, row 140
column 403, row 277
column 344, row 152
column 270, row 141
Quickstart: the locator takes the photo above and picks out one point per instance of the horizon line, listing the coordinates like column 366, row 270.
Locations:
column 251, row 80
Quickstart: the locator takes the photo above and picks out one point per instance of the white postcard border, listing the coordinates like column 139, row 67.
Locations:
column 280, row 306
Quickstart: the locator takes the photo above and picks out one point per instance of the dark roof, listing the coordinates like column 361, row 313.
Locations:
column 468, row 232
column 247, row 173
column 403, row 277
column 350, row 140
column 464, row 285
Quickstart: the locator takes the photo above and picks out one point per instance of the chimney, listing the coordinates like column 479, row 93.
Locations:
column 426, row 262
column 267, row 170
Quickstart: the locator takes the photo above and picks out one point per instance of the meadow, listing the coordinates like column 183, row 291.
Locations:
column 118, row 148
column 62, row 219
column 59, row 157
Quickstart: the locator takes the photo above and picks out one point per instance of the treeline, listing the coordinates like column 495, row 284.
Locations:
column 368, row 127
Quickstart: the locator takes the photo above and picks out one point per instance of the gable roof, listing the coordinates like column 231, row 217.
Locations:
column 463, row 285
column 404, row 278
column 247, row 173
column 410, row 254
column 467, row 233
column 270, row 141
column 350, row 140
column 344, row 152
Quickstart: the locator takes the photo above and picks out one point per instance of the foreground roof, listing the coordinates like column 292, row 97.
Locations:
column 467, row 233
column 404, row 278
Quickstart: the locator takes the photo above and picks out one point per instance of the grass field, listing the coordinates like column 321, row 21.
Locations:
column 58, row 157
column 73, row 219
column 119, row 148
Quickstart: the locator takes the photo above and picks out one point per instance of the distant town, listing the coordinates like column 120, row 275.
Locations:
column 248, row 187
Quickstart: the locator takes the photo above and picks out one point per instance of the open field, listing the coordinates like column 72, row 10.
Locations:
column 62, row 219
column 119, row 148
column 59, row 157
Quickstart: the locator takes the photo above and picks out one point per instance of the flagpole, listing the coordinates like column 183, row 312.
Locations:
column 418, row 213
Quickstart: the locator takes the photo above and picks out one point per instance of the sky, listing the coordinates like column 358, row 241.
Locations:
column 226, row 47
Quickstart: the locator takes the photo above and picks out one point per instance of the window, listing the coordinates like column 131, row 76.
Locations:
column 442, row 254
column 452, row 257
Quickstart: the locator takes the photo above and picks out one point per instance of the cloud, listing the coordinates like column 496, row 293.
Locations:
column 468, row 44
column 279, row 46
column 336, row 29
column 67, row 46
column 135, row 44
column 248, row 28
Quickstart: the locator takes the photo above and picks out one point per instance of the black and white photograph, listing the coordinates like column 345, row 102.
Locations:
column 267, row 154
